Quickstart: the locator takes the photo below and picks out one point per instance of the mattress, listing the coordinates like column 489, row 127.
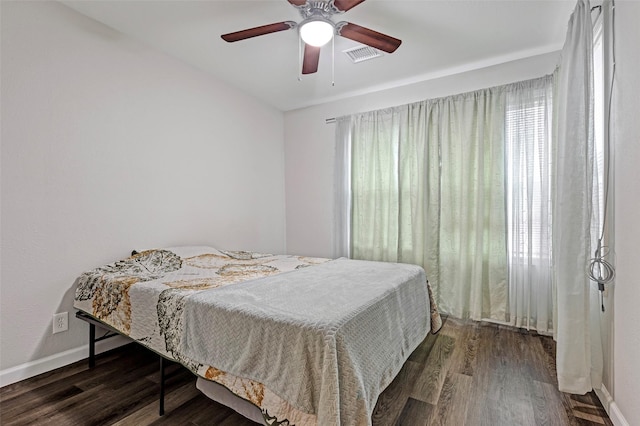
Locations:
column 178, row 301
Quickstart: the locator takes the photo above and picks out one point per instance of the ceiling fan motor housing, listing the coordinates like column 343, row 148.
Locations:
column 324, row 9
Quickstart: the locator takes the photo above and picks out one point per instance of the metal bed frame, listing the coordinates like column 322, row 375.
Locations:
column 111, row 332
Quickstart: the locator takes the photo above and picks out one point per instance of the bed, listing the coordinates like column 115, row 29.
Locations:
column 281, row 339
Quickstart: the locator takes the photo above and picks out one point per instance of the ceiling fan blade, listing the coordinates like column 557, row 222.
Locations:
column 345, row 5
column 311, row 59
column 369, row 37
column 258, row 31
column 298, row 2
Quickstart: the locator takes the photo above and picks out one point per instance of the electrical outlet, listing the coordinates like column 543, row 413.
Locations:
column 60, row 322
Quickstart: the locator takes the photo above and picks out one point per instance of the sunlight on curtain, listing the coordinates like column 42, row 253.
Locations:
column 528, row 143
column 472, row 231
column 427, row 184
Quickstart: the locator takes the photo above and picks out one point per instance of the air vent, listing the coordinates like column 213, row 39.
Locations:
column 362, row 53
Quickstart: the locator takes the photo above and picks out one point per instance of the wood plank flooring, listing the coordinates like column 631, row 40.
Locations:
column 468, row 374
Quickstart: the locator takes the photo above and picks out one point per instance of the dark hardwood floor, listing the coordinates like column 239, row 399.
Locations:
column 468, row 374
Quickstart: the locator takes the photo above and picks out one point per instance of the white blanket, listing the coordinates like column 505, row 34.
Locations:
column 328, row 339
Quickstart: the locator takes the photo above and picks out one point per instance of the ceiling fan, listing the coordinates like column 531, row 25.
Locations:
column 317, row 29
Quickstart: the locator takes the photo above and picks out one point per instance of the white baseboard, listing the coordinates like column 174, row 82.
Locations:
column 616, row 416
column 611, row 407
column 605, row 398
column 42, row 365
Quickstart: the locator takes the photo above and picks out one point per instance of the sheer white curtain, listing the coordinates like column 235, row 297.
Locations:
column 528, row 143
column 579, row 350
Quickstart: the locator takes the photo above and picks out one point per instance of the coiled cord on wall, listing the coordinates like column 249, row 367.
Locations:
column 601, row 270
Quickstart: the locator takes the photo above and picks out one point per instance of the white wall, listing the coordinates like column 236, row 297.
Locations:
column 108, row 146
column 309, row 144
column 626, row 350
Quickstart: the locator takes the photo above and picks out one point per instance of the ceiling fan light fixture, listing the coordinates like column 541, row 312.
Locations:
column 316, row 32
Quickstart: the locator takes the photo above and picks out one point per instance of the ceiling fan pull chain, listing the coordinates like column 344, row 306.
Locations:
column 299, row 58
column 333, row 61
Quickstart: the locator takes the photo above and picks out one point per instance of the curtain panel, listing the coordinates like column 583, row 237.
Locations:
column 577, row 331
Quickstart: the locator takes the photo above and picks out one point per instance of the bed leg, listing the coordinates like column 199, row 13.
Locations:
column 92, row 345
column 161, row 385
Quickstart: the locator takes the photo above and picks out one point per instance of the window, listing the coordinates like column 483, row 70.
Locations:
column 528, row 138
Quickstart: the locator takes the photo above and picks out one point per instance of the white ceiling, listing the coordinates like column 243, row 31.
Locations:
column 439, row 37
